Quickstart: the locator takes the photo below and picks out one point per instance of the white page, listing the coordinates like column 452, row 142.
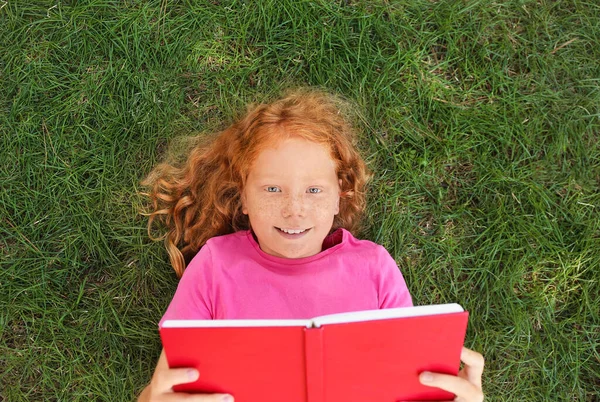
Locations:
column 370, row 315
column 234, row 323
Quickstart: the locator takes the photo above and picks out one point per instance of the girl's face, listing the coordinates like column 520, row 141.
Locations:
column 291, row 197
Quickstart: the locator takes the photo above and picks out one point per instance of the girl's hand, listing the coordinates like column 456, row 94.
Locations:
column 163, row 380
column 467, row 385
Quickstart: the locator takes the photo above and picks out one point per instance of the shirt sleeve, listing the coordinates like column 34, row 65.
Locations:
column 192, row 299
column 393, row 291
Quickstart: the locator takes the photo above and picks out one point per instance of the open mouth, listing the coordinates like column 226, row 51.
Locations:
column 293, row 232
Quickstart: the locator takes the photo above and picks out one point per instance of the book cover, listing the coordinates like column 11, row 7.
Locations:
column 373, row 355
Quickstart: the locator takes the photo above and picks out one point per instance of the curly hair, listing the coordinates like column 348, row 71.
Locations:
column 202, row 198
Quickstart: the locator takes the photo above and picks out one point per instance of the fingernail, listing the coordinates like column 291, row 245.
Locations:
column 193, row 374
column 426, row 376
column 227, row 398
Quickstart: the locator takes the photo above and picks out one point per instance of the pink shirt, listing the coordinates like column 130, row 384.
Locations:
column 232, row 278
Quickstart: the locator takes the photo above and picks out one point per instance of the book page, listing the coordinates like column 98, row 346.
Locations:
column 370, row 315
column 234, row 323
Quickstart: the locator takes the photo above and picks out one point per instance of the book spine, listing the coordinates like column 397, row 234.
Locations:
column 315, row 381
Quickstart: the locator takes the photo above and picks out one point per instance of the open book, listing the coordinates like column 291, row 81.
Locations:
column 373, row 355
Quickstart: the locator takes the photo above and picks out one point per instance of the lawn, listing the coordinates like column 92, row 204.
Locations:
column 479, row 119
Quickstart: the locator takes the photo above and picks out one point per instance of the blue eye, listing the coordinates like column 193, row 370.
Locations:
column 272, row 189
column 314, row 190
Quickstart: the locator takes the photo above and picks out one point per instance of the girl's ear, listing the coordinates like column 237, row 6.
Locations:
column 337, row 202
column 243, row 200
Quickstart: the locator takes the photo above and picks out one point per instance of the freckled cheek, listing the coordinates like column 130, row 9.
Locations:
column 323, row 207
column 267, row 208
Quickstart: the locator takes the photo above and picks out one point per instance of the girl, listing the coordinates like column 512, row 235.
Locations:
column 264, row 214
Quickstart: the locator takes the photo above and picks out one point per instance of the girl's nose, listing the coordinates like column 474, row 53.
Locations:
column 293, row 206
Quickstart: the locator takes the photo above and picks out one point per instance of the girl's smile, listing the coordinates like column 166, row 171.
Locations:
column 292, row 233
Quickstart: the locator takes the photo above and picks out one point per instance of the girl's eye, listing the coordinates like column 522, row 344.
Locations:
column 314, row 190
column 272, row 189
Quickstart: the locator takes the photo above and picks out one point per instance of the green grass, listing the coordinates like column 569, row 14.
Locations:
column 480, row 120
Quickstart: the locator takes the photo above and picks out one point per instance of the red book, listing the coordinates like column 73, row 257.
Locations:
column 374, row 355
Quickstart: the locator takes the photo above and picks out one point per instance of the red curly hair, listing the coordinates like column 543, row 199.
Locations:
column 202, row 198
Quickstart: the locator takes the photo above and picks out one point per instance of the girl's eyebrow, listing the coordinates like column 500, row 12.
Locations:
column 285, row 186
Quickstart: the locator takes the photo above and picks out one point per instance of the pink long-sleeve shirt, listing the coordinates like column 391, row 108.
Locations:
column 232, row 278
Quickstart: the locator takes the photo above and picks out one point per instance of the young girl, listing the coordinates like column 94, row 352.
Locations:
column 264, row 214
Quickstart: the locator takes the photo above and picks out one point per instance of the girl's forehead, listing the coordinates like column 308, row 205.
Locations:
column 294, row 155
column 295, row 148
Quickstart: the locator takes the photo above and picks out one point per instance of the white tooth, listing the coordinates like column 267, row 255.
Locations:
column 291, row 231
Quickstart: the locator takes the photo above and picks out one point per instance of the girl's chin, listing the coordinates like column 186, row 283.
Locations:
column 292, row 252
